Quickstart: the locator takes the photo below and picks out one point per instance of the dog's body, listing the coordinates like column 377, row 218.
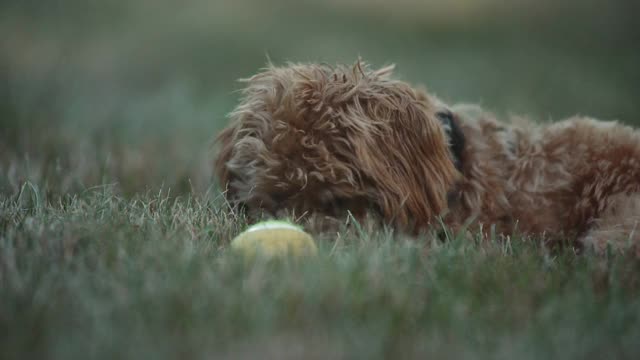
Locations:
column 322, row 141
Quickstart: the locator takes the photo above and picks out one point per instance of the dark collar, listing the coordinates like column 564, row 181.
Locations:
column 456, row 138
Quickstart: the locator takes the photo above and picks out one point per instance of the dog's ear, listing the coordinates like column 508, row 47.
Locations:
column 408, row 158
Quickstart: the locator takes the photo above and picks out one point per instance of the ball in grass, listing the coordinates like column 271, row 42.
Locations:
column 274, row 239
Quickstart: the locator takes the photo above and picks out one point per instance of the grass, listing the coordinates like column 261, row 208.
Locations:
column 100, row 276
column 114, row 237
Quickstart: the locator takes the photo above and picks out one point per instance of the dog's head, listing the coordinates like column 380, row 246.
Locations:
column 321, row 140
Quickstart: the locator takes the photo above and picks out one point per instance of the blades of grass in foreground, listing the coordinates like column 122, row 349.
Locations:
column 103, row 276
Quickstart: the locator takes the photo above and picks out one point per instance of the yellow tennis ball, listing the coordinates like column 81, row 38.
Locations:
column 274, row 239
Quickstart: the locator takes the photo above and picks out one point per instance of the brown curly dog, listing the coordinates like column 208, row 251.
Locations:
column 320, row 141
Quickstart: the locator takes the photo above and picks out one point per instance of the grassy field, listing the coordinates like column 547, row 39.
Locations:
column 114, row 235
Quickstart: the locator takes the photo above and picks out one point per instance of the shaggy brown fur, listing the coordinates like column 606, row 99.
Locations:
column 322, row 141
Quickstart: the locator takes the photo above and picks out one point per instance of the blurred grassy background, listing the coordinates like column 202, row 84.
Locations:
column 131, row 92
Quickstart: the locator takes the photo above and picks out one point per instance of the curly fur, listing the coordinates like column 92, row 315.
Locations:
column 321, row 140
